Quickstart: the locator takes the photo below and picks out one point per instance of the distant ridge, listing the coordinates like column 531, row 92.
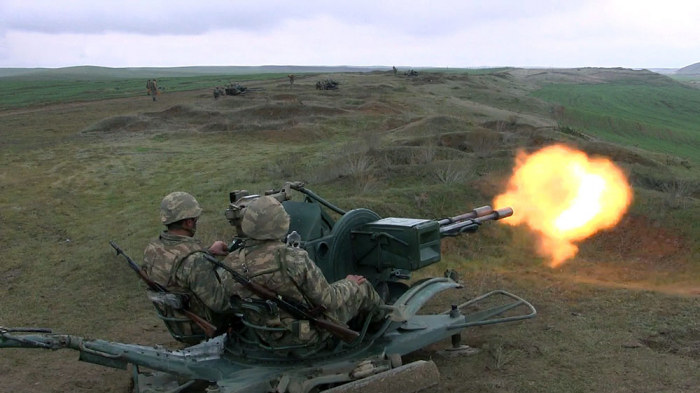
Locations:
column 94, row 72
column 693, row 69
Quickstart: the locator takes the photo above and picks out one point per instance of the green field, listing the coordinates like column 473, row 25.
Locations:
column 621, row 317
column 656, row 118
column 18, row 92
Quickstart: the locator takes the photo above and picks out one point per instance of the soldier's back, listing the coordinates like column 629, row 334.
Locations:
column 279, row 268
column 164, row 252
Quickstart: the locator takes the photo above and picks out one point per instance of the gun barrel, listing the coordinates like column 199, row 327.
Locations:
column 496, row 214
column 476, row 213
column 472, row 225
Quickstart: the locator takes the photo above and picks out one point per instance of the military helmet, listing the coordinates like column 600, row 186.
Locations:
column 178, row 206
column 265, row 219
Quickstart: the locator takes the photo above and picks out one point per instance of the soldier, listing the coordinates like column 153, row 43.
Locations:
column 154, row 89
column 288, row 271
column 395, row 70
column 175, row 260
column 216, row 93
column 148, row 87
column 291, row 80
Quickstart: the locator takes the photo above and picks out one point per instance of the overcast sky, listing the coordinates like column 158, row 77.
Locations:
column 466, row 33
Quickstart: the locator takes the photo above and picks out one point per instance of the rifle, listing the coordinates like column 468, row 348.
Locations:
column 209, row 329
column 296, row 311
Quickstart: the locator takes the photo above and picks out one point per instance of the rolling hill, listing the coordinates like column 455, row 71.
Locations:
column 693, row 69
column 104, row 73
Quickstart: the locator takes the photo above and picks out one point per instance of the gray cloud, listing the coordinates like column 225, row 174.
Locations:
column 310, row 32
column 159, row 17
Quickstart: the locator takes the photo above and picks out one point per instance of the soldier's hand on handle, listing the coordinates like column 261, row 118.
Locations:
column 219, row 248
column 359, row 280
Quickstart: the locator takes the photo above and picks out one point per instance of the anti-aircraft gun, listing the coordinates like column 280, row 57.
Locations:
column 235, row 89
column 384, row 250
column 328, row 84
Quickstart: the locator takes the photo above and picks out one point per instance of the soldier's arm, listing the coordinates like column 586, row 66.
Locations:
column 205, row 283
column 315, row 286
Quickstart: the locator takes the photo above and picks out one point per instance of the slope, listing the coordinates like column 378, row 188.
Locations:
column 693, row 69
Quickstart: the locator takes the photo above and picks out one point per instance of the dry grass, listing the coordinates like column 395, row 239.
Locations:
column 59, row 184
column 453, row 172
column 678, row 193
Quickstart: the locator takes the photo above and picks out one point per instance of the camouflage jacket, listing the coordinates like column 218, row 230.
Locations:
column 289, row 272
column 177, row 263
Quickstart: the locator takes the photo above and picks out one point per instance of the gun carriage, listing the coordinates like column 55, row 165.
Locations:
column 384, row 250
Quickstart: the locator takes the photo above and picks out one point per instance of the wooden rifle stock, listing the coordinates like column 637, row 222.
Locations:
column 208, row 328
column 298, row 312
column 339, row 331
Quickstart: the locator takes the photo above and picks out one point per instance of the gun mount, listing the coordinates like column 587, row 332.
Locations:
column 360, row 241
column 384, row 250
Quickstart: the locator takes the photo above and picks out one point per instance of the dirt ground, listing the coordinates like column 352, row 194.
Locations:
column 624, row 318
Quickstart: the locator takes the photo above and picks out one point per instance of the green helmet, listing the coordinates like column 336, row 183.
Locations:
column 265, row 219
column 178, row 206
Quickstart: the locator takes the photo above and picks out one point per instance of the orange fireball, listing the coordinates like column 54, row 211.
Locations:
column 565, row 196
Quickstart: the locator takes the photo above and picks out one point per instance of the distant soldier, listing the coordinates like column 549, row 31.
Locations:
column 291, row 79
column 148, row 87
column 395, row 70
column 154, row 89
column 216, row 93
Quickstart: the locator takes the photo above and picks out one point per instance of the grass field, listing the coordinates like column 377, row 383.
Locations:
column 18, row 92
column 621, row 317
column 655, row 118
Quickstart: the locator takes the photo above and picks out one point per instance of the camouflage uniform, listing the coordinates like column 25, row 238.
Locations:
column 148, row 87
column 154, row 89
column 177, row 262
column 291, row 79
column 290, row 272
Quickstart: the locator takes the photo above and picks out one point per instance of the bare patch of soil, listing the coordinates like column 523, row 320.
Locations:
column 283, row 111
column 285, row 97
column 187, row 114
column 434, row 125
column 617, row 153
column 378, row 108
column 511, row 126
column 292, row 133
column 639, row 238
column 8, row 276
column 676, row 342
column 130, row 123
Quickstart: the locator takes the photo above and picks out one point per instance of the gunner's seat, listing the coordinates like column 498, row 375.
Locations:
column 169, row 308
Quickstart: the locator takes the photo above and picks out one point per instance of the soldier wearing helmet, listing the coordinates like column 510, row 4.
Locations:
column 154, row 89
column 288, row 271
column 176, row 260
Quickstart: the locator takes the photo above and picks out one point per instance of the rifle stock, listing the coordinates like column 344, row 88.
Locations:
column 339, row 331
column 343, row 333
column 206, row 326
